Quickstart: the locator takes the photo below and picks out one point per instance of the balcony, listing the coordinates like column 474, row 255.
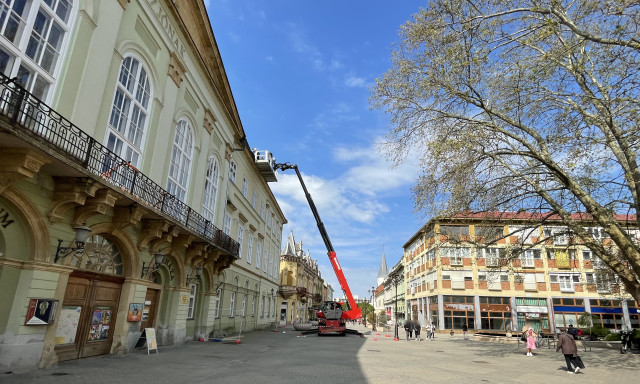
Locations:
column 76, row 154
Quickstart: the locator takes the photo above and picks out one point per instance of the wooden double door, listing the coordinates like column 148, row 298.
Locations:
column 88, row 315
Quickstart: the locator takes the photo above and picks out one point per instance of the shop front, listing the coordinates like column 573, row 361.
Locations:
column 567, row 311
column 533, row 312
column 608, row 313
column 495, row 313
column 458, row 310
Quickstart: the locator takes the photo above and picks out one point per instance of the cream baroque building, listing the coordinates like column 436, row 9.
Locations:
column 301, row 285
column 130, row 198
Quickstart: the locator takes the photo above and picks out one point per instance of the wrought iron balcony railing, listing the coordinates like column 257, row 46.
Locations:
column 46, row 125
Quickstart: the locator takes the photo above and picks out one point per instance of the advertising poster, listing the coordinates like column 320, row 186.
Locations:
column 100, row 322
column 68, row 325
column 135, row 312
column 41, row 312
column 151, row 339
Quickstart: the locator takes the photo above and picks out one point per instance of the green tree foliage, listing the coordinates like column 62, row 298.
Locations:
column 524, row 106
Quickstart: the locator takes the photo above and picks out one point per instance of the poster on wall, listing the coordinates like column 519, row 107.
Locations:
column 41, row 312
column 100, row 322
column 145, row 310
column 68, row 325
column 135, row 312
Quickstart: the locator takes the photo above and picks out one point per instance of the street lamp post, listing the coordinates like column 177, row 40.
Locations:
column 375, row 317
column 396, row 280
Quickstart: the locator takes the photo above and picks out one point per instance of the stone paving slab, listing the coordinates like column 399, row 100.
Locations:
column 286, row 357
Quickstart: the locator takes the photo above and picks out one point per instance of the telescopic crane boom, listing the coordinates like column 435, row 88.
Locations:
column 354, row 312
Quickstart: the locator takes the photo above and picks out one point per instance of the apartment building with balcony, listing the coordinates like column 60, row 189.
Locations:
column 130, row 198
column 500, row 271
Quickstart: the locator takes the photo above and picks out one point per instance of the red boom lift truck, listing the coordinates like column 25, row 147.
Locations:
column 332, row 316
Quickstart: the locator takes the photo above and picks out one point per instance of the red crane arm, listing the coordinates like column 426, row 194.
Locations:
column 354, row 312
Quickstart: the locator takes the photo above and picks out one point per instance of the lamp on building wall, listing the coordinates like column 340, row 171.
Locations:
column 158, row 258
column 82, row 232
column 194, row 279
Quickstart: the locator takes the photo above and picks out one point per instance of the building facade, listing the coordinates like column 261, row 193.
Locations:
column 130, row 198
column 498, row 272
column 302, row 288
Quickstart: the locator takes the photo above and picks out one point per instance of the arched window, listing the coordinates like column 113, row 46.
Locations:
column 34, row 34
column 210, row 189
column 129, row 112
column 180, row 166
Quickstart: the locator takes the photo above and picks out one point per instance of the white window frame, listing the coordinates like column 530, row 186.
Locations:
column 31, row 31
column 240, row 240
column 456, row 254
column 232, row 305
column 180, row 162
column 262, row 210
column 254, row 200
column 245, row 187
column 128, row 138
column 211, row 189
column 249, row 247
column 244, row 305
column 258, row 254
column 218, row 302
column 193, row 288
column 529, row 256
column 226, row 224
column 253, row 306
column 233, row 170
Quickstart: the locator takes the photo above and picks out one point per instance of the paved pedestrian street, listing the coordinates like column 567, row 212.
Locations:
column 285, row 357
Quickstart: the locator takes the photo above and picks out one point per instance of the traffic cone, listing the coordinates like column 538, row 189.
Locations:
column 375, row 339
column 238, row 341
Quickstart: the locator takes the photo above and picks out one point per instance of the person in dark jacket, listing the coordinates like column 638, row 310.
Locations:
column 567, row 344
column 465, row 329
column 573, row 332
column 408, row 328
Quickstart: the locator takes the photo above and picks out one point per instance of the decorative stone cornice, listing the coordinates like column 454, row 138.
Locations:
column 70, row 192
column 176, row 69
column 151, row 230
column 17, row 164
column 127, row 215
column 98, row 205
column 209, row 120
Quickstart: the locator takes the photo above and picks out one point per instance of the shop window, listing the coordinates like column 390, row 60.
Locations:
column 498, row 321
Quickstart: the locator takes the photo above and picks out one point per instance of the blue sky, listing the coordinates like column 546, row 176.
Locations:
column 300, row 73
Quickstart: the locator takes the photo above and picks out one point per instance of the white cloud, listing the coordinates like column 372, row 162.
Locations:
column 353, row 81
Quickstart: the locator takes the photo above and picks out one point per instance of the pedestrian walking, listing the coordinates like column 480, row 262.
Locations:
column 408, row 329
column 417, row 330
column 567, row 344
column 531, row 341
column 433, row 331
column 465, row 329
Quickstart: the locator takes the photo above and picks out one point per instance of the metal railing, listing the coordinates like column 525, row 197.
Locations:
column 50, row 128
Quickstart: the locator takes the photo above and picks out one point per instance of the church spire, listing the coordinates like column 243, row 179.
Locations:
column 383, row 272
